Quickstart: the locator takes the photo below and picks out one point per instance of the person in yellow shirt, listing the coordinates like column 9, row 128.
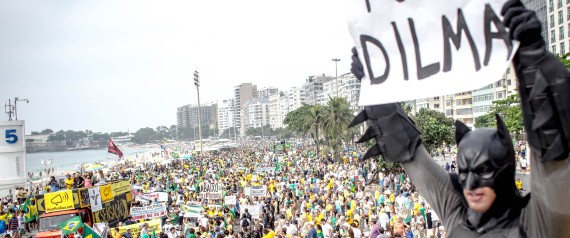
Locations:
column 68, row 182
column 518, row 184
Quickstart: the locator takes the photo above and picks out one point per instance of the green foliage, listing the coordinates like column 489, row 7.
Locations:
column 435, row 127
column 509, row 109
column 336, row 116
column 312, row 120
column 262, row 131
column 46, row 132
column 564, row 59
column 295, row 120
column 487, row 120
column 330, row 121
column 145, row 135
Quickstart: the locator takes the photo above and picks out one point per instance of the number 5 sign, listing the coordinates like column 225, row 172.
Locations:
column 12, row 153
column 12, row 136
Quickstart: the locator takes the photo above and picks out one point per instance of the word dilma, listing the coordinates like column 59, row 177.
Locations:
column 449, row 37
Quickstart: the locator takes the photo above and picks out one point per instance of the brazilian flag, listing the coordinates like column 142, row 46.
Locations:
column 71, row 225
column 89, row 233
column 30, row 211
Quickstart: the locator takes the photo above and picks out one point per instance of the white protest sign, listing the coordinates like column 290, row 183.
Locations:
column 416, row 49
column 230, row 200
column 257, row 191
column 211, row 191
column 95, row 199
column 148, row 212
column 254, row 210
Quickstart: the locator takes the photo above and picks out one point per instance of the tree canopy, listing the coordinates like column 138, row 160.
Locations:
column 436, row 129
column 509, row 109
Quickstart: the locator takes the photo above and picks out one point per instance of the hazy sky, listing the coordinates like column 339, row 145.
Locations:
column 110, row 65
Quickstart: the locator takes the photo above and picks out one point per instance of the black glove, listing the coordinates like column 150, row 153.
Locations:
column 396, row 135
column 356, row 67
column 523, row 24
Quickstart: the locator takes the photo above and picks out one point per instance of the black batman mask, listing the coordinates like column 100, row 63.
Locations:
column 485, row 157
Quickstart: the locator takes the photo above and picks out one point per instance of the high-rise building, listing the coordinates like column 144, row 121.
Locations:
column 255, row 113
column 294, row 99
column 557, row 25
column 277, row 109
column 347, row 86
column 312, row 90
column 265, row 92
column 539, row 6
column 187, row 116
column 226, row 115
column 242, row 93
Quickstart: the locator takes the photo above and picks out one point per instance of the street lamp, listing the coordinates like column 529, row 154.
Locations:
column 197, row 84
column 336, row 73
column 46, row 163
column 16, row 108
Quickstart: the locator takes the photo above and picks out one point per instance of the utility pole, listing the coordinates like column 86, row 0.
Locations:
column 16, row 108
column 197, row 83
column 9, row 109
column 336, row 73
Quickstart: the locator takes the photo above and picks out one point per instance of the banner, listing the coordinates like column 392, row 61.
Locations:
column 136, row 228
column 209, row 187
column 254, row 210
column 230, row 200
column 417, row 49
column 115, row 211
column 58, row 201
column 257, row 191
column 121, row 187
column 211, row 191
column 211, row 195
column 148, row 212
column 264, row 169
column 106, row 192
column 95, row 199
column 83, row 197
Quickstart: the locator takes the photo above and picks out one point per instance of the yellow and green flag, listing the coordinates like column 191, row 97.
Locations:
column 30, row 211
column 71, row 225
column 89, row 233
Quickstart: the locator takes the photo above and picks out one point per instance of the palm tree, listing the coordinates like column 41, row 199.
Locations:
column 312, row 120
column 336, row 117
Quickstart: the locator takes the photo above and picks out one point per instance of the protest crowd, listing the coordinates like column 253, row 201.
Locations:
column 256, row 191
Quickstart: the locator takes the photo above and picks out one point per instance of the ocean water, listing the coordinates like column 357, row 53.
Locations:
column 68, row 160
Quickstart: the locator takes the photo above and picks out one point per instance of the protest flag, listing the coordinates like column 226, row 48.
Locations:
column 29, row 211
column 112, row 148
column 89, row 233
column 71, row 225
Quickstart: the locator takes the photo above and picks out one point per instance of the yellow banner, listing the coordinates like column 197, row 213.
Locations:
column 121, row 187
column 106, row 193
column 59, row 201
column 136, row 228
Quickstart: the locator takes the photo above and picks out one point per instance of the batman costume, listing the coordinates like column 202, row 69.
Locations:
column 486, row 158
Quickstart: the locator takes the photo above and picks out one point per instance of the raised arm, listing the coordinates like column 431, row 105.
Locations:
column 544, row 87
column 398, row 140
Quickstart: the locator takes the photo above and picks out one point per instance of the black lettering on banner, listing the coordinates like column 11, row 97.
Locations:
column 402, row 50
column 368, row 5
column 427, row 71
column 448, row 35
column 113, row 212
column 364, row 39
column 501, row 33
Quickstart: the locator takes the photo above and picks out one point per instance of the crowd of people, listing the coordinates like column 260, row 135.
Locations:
column 306, row 196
